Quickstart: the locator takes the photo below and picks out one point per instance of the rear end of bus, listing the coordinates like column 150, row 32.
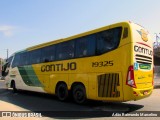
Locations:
column 139, row 79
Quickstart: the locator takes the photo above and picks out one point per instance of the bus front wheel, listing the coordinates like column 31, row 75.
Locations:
column 79, row 94
column 14, row 87
column 62, row 91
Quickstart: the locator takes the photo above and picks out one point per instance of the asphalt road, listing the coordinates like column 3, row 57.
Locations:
column 50, row 107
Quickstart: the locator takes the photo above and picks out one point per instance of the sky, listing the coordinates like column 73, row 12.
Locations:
column 25, row 23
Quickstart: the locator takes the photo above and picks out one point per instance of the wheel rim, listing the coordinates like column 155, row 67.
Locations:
column 62, row 92
column 79, row 95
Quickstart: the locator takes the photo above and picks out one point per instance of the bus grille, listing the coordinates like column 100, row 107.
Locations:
column 107, row 85
column 143, row 59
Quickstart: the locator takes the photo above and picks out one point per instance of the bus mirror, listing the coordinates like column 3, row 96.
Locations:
column 4, row 72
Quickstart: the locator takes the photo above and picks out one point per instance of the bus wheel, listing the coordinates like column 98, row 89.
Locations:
column 62, row 92
column 79, row 94
column 14, row 87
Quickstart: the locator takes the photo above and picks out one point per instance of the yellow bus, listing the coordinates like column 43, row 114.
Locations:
column 112, row 63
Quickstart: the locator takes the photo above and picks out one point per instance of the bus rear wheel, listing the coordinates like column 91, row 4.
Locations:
column 79, row 94
column 62, row 92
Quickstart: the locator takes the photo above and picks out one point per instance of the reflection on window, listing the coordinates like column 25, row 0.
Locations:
column 24, row 58
column 16, row 61
column 35, row 56
column 108, row 40
column 85, row 46
column 48, row 54
column 65, row 50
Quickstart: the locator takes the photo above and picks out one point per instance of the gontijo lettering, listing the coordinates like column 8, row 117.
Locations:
column 59, row 67
column 143, row 50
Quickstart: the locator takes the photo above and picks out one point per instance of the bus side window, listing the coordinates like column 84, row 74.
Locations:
column 81, row 47
column 48, row 54
column 125, row 32
column 108, row 40
column 16, row 60
column 85, row 46
column 35, row 56
column 65, row 50
column 24, row 58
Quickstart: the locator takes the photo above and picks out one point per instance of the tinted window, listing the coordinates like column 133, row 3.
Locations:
column 85, row 46
column 65, row 50
column 25, row 58
column 48, row 54
column 108, row 40
column 16, row 61
column 125, row 33
column 35, row 56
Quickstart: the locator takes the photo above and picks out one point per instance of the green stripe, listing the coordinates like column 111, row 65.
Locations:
column 29, row 77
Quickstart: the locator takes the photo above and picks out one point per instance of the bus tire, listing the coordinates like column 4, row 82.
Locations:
column 79, row 94
column 14, row 87
column 62, row 92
